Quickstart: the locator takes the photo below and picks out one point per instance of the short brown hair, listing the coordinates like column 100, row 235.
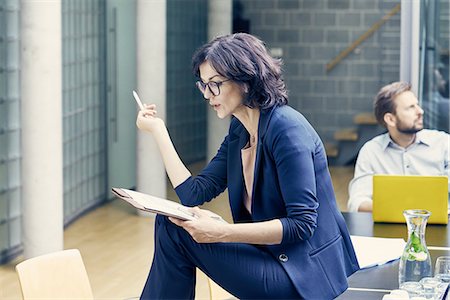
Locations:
column 384, row 101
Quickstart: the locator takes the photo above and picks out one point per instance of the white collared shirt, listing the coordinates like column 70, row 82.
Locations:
column 428, row 155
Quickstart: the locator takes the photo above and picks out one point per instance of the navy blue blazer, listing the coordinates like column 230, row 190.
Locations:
column 291, row 183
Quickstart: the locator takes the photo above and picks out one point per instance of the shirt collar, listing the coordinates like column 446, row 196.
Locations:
column 386, row 140
column 421, row 138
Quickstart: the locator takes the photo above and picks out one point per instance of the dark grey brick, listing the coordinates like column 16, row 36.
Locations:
column 313, row 4
column 336, row 103
column 275, row 19
column 323, row 53
column 291, row 69
column 288, row 4
column 300, row 52
column 324, row 86
column 362, row 70
column 267, row 35
column 303, row 69
column 288, row 36
column 394, row 40
column 345, row 119
column 312, row 35
column 362, row 103
column 316, row 69
column 350, row 86
column 349, row 19
column 371, row 87
column 313, row 104
column 390, row 76
column 261, row 4
column 370, row 53
column 325, row 19
column 311, row 70
column 338, row 4
column 301, row 87
column 338, row 36
column 300, row 19
column 327, row 119
column 256, row 19
column 365, row 4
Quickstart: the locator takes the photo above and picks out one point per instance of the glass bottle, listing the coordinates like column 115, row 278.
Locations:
column 415, row 262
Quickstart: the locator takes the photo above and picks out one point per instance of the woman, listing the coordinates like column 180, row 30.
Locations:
column 288, row 240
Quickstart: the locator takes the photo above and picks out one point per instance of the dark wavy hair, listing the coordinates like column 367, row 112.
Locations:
column 384, row 101
column 244, row 59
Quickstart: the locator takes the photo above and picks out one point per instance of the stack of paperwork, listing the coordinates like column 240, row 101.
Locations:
column 375, row 251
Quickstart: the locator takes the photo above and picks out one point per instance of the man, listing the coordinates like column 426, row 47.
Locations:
column 406, row 149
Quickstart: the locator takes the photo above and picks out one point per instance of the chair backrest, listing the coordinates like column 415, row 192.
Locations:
column 216, row 292
column 58, row 275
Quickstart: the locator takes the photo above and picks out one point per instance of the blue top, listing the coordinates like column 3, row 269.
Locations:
column 291, row 183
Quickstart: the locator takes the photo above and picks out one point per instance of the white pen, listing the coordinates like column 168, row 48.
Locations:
column 138, row 100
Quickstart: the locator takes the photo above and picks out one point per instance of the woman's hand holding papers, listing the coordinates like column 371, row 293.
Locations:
column 207, row 228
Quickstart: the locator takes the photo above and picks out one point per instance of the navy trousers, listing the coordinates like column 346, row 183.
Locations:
column 246, row 271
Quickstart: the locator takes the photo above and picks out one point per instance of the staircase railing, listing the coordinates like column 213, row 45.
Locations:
column 362, row 38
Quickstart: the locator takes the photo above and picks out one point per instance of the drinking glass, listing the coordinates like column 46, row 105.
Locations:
column 442, row 268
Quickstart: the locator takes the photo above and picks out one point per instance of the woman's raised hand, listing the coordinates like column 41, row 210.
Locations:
column 147, row 119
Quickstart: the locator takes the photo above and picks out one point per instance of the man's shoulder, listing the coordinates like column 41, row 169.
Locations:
column 434, row 133
column 378, row 141
column 432, row 137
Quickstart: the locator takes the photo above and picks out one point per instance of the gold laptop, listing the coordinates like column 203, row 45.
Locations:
column 392, row 194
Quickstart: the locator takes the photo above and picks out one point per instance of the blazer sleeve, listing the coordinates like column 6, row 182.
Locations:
column 209, row 183
column 294, row 147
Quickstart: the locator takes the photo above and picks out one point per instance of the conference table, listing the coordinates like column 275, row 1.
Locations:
column 373, row 283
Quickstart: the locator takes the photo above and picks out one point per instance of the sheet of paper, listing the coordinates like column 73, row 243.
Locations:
column 157, row 205
column 374, row 251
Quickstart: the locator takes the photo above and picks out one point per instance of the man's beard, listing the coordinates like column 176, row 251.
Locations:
column 408, row 130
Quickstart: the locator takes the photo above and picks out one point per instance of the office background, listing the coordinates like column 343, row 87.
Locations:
column 99, row 71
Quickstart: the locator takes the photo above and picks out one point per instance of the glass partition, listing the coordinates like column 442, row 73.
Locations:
column 434, row 63
column 10, row 153
column 84, row 107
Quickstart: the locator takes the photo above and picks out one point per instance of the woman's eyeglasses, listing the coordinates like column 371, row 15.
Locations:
column 213, row 86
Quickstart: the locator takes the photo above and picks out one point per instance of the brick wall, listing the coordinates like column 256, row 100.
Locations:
column 310, row 34
column 444, row 21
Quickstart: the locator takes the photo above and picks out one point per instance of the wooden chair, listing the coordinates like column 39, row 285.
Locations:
column 216, row 292
column 58, row 275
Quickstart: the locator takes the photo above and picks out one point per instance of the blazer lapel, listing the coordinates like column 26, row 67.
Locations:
column 262, row 129
column 235, row 177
